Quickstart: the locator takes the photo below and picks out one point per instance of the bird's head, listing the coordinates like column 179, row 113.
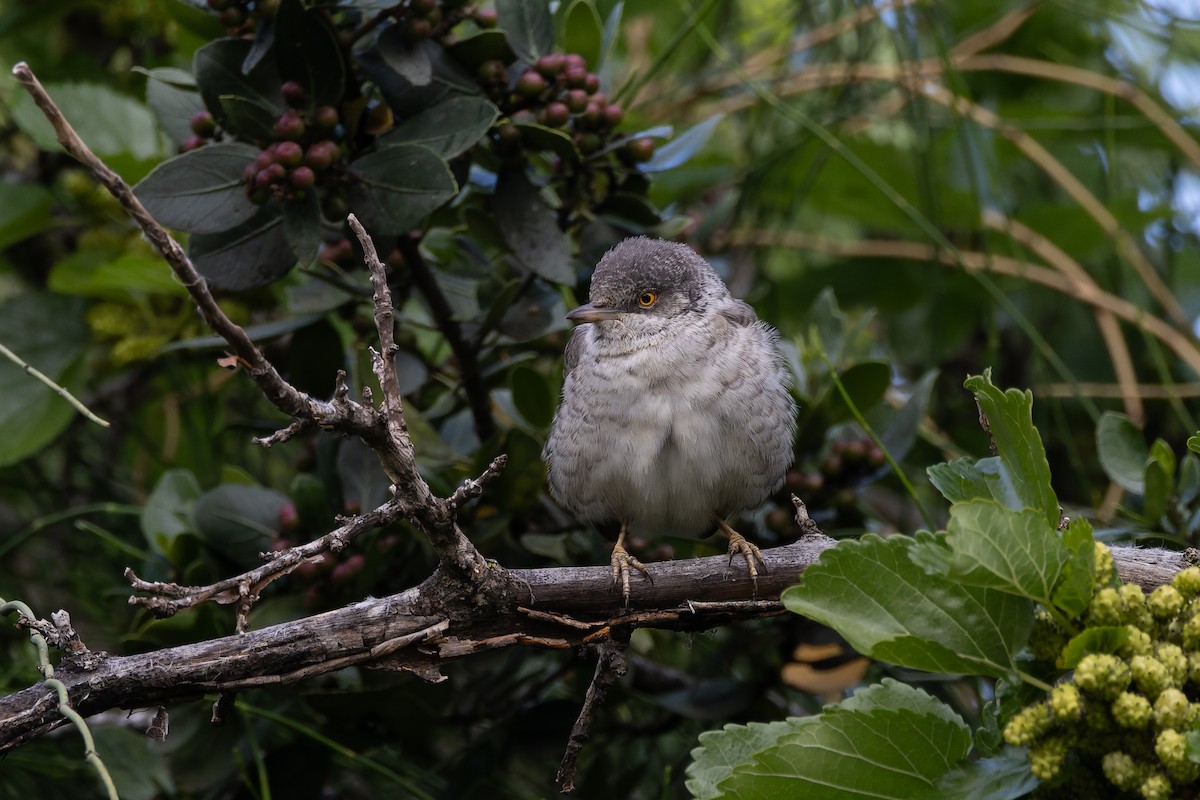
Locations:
column 641, row 283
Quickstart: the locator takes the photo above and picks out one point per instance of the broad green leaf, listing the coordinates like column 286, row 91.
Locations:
column 1193, row 443
column 1024, row 470
column 1159, row 480
column 302, row 227
column 959, row 480
column 449, row 128
column 172, row 95
column 680, row 149
column 1193, row 746
column 1093, row 640
column 541, row 137
column 398, row 187
column 1074, row 590
column 201, row 191
column 992, row 546
column 582, row 31
column 531, row 395
column 530, row 228
column 1122, row 451
column 720, row 751
column 898, row 427
column 167, row 513
column 1189, row 478
column 636, row 208
column 247, row 117
column 873, row 593
column 528, row 25
column 31, row 414
column 408, row 61
column 865, row 382
column 890, row 740
column 252, row 254
column 218, row 70
column 1002, row 777
column 24, row 212
column 307, row 52
column 94, row 274
column 238, row 521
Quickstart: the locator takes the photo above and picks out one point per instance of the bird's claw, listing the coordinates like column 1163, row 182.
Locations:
column 738, row 545
column 621, row 564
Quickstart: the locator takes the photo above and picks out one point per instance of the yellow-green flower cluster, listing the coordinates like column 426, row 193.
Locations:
column 1122, row 714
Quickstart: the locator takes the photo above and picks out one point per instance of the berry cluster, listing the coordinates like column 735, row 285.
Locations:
column 1121, row 715
column 306, row 147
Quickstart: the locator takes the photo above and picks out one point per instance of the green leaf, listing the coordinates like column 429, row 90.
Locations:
column 1024, row 474
column 138, row 766
column 612, row 28
column 449, row 128
column 302, row 227
column 865, row 382
column 1106, row 639
column 1002, row 777
column 541, row 137
column 1122, row 451
column 1189, row 478
column 24, row 212
column 528, row 25
column 1159, row 480
column 582, row 31
column 959, row 480
column 898, row 427
column 680, row 149
column 886, row 606
column 888, row 740
column 484, row 46
column 250, row 255
column 173, row 97
column 408, row 61
column 1193, row 443
column 398, row 187
column 995, row 547
column 166, row 515
column 531, row 395
column 530, row 228
column 720, row 751
column 93, row 274
column 1193, row 746
column 218, row 70
column 248, row 118
column 47, row 332
column 1074, row 590
column 239, row 521
column 307, row 52
column 200, row 191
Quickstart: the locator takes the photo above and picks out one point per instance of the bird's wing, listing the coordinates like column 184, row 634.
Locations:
column 574, row 351
column 738, row 312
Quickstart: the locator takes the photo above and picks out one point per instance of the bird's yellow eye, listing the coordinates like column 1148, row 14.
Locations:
column 647, row 299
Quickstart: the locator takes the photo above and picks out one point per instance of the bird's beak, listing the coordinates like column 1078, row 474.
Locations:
column 591, row 313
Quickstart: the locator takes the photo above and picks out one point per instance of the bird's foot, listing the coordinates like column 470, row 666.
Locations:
column 622, row 564
column 738, row 545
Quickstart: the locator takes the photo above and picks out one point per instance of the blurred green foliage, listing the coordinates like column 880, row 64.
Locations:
column 812, row 155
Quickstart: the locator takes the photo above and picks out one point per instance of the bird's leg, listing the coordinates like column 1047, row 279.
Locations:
column 621, row 563
column 739, row 546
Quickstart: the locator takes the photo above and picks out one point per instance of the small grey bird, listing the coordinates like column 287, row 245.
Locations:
column 675, row 409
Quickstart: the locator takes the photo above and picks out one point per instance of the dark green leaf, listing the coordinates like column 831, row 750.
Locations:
column 24, row 212
column 91, row 274
column 247, row 117
column 959, row 480
column 137, row 765
column 173, row 97
column 1159, row 484
column 398, row 187
column 582, row 31
column 448, row 128
column 1193, row 444
column 200, row 191
column 364, row 483
column 865, row 382
column 218, row 70
column 1002, row 777
column 540, row 137
column 307, row 52
column 531, row 395
column 635, row 208
column 239, row 521
column 1189, row 478
column 1122, row 451
column 409, row 62
column 302, row 227
column 529, row 27
column 680, row 149
column 530, row 227
column 888, row 740
column 166, row 514
column 483, row 46
column 264, row 41
column 720, row 751
column 1024, row 472
column 1092, row 640
column 252, row 254
column 887, row 607
column 1074, row 590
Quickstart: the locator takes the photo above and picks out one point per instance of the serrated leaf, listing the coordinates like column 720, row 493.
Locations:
column 720, row 751
column 398, row 187
column 307, row 52
column 528, row 26
column 1074, row 590
column 959, row 480
column 173, row 97
column 449, row 128
column 1005, row 776
column 1122, row 451
column 995, row 547
column 409, row 62
column 887, row 607
column 889, row 740
column 530, row 228
column 582, row 31
column 680, row 149
column 1107, row 639
column 200, row 191
column 253, row 254
column 1024, row 476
